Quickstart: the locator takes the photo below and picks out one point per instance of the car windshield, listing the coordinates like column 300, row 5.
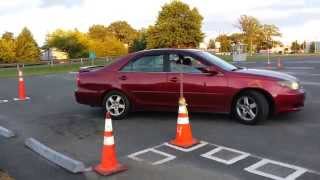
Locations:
column 217, row 61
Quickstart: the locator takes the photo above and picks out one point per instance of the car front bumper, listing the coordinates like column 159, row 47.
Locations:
column 290, row 101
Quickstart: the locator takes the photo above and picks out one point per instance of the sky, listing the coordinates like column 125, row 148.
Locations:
column 297, row 19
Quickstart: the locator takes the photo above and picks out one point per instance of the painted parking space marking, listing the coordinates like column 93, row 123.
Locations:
column 6, row 132
column 201, row 144
column 3, row 101
column 276, row 170
column 300, row 68
column 262, row 167
column 225, row 155
column 17, row 99
column 300, row 73
column 168, row 157
column 310, row 83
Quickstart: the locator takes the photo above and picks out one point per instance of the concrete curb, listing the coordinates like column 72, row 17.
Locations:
column 66, row 162
column 6, row 132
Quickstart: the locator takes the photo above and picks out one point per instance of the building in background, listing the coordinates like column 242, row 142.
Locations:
column 53, row 54
column 312, row 47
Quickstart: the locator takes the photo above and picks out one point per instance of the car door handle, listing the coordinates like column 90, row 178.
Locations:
column 123, row 78
column 174, row 79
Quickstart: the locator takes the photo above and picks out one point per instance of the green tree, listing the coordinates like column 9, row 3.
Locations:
column 8, row 36
column 236, row 38
column 98, row 32
column 75, row 43
column 108, row 46
column 312, row 47
column 251, row 28
column 123, row 32
column 177, row 26
column 225, row 43
column 140, row 43
column 7, row 51
column 27, row 50
column 266, row 36
column 7, row 48
column 295, row 46
column 212, row 44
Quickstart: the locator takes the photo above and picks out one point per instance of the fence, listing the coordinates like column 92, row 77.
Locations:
column 81, row 61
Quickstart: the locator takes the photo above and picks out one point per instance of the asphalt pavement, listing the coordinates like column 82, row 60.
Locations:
column 284, row 146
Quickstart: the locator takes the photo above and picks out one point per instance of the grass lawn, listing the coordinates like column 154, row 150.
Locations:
column 46, row 69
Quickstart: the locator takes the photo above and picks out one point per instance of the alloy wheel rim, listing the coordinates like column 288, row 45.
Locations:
column 247, row 108
column 115, row 104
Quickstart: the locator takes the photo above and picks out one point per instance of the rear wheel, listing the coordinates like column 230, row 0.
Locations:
column 250, row 107
column 117, row 104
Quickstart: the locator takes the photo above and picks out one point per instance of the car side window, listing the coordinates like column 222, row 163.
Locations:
column 187, row 64
column 152, row 63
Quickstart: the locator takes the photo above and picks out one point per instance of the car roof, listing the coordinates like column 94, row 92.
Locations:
column 170, row 50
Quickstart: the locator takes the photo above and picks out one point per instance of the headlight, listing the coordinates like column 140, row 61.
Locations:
column 289, row 84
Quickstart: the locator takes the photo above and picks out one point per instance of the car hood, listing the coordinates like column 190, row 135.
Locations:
column 267, row 73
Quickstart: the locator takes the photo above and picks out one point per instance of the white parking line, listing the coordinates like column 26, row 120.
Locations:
column 299, row 68
column 254, row 169
column 210, row 155
column 260, row 157
column 310, row 83
column 169, row 157
column 201, row 144
column 17, row 99
column 6, row 132
column 3, row 101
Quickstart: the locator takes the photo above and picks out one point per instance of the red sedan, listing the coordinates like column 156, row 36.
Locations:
column 150, row 80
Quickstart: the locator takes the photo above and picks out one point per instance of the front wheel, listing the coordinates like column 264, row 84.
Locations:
column 250, row 108
column 117, row 104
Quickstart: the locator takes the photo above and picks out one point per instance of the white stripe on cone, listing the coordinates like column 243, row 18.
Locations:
column 183, row 120
column 108, row 125
column 183, row 109
column 20, row 73
column 20, row 79
column 108, row 141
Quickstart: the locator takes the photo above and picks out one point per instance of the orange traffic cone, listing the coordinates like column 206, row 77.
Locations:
column 279, row 65
column 109, row 163
column 183, row 132
column 21, row 88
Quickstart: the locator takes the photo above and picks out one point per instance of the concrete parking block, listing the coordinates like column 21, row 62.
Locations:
column 64, row 161
column 6, row 132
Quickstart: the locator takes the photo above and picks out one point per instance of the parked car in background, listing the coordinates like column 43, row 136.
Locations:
column 150, row 80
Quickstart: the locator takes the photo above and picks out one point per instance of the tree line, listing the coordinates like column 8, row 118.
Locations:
column 253, row 33
column 177, row 26
column 20, row 49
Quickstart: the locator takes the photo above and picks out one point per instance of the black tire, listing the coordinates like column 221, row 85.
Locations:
column 126, row 103
column 262, row 108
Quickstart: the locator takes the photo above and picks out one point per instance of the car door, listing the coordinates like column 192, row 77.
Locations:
column 203, row 91
column 143, row 78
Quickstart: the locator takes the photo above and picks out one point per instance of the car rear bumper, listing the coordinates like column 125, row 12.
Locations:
column 87, row 97
column 290, row 101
